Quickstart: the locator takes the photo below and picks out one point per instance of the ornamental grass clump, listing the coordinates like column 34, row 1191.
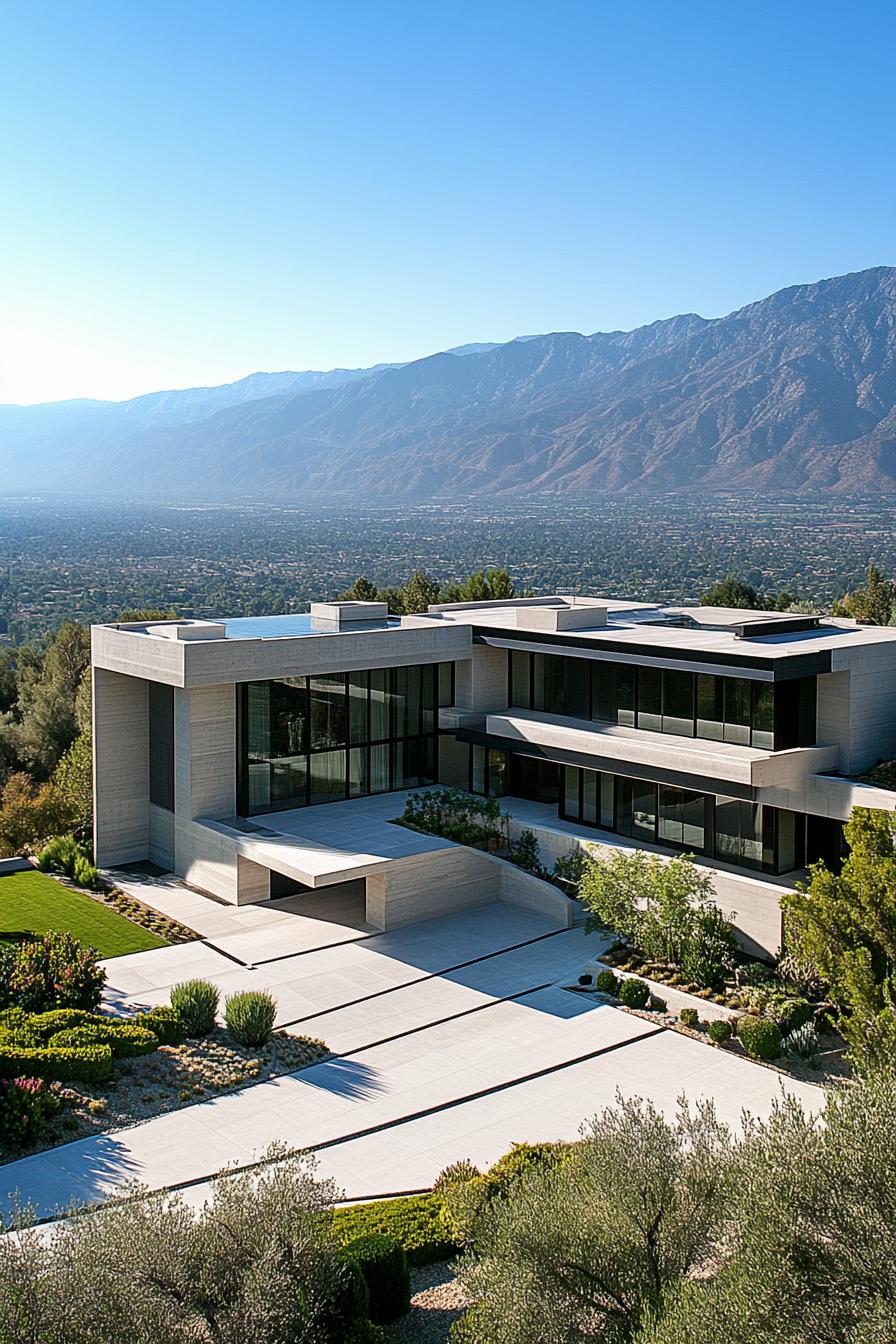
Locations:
column 250, row 1017
column 196, row 1003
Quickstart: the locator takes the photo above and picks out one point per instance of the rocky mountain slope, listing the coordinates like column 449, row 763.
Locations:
column 793, row 394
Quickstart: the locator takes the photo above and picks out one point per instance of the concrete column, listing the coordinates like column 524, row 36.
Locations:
column 480, row 682
column 120, row 767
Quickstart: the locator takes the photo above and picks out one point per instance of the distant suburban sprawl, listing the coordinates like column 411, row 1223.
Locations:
column 64, row 559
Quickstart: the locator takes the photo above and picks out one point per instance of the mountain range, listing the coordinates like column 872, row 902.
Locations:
column 794, row 394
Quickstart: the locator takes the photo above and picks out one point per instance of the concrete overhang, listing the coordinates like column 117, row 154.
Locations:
column 616, row 747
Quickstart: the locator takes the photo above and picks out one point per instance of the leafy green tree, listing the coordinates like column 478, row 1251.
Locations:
column 30, row 814
column 492, row 585
column 45, row 722
column 418, row 593
column 731, row 592
column 843, row 927
column 131, row 614
column 362, row 590
column 587, row 1248
column 873, row 603
column 664, row 907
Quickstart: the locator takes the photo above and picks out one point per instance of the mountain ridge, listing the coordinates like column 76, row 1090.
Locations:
column 794, row 393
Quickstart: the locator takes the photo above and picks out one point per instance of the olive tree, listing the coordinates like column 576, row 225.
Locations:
column 808, row 1254
column 258, row 1262
column 588, row 1247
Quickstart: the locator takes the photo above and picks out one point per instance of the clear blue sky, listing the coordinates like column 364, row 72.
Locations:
column 192, row 191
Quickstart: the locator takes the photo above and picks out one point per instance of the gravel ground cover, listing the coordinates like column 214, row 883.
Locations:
column 437, row 1301
column 172, row 1077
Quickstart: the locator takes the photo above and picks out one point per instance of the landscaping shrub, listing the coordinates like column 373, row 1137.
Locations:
column 526, row 853
column 59, row 855
column 689, row 1017
column 250, row 1017
column 85, row 874
column 164, row 1022
column 385, row 1268
column 801, row 1043
column 606, row 982
column 657, row 1005
column 53, row 971
column 718, row 1030
column 413, row 1220
column 363, row 1332
column 571, row 867
column 196, row 1003
column 760, row 1038
column 45, row 1025
column 634, row 993
column 25, row 1106
column 350, row 1300
column 126, row 1040
column 466, row 1199
column 84, row 1064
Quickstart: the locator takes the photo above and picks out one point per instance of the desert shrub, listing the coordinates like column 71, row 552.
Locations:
column 760, row 1038
column 412, row 1220
column 689, row 1017
column 718, row 1030
column 82, row 1063
column 801, row 1043
column 25, row 1106
column 787, row 1011
column 657, row 1005
column 53, row 971
column 250, row 1017
column 457, row 1173
column 634, row 993
column 163, row 1021
column 363, row 1332
column 709, row 951
column 606, row 982
column 385, row 1268
column 196, row 1003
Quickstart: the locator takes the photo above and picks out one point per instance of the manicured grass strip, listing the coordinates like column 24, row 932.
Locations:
column 32, row 902
column 412, row 1220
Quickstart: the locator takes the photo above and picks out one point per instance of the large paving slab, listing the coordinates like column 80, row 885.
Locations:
column 452, row 1039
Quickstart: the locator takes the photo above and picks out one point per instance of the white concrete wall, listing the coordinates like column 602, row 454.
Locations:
column 444, row 881
column 872, row 708
column 253, row 882
column 120, row 768
column 161, row 836
column 480, row 682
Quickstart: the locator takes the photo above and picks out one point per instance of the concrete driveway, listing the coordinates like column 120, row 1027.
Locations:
column 451, row 1039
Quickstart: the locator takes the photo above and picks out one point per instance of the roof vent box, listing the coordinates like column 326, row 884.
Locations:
column 348, row 615
column 560, row 618
column 188, row 630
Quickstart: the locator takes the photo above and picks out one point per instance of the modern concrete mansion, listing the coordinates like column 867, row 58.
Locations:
column 732, row 735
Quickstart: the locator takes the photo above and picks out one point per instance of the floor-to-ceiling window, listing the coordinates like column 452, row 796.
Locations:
column 309, row 740
column 739, row 832
column 161, row 745
column 739, row 710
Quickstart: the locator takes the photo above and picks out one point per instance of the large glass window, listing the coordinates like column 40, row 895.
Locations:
column 742, row 833
column 304, row 741
column 740, row 710
column 161, row 745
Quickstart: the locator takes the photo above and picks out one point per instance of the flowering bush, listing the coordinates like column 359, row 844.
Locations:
column 53, row 971
column 25, row 1106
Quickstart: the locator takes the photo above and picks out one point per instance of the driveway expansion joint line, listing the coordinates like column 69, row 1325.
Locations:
column 261, row 1163
column 418, row 980
column 248, row 965
column 441, row 1021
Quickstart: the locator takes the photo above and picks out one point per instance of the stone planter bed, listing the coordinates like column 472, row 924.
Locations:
column 831, row 1063
column 128, row 906
column 166, row 1080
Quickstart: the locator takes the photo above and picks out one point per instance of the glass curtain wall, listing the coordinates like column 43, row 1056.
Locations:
column 664, row 700
column 744, row 834
column 309, row 740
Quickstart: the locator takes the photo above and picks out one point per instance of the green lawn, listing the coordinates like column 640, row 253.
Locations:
column 32, row 902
